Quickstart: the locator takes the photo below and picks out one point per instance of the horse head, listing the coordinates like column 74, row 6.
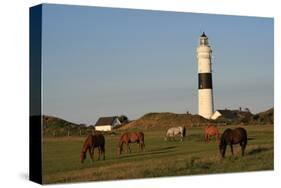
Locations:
column 82, row 156
column 222, row 147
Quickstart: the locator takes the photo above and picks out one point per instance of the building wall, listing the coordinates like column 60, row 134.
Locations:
column 204, row 59
column 205, row 101
column 205, row 93
column 216, row 115
column 103, row 128
column 116, row 122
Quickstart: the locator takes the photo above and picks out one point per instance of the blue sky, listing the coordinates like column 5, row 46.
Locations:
column 108, row 61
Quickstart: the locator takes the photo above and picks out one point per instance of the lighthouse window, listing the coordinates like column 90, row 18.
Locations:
column 203, row 41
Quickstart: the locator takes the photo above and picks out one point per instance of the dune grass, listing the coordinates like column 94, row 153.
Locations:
column 160, row 158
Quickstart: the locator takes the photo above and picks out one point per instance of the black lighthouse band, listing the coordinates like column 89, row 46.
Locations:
column 205, row 81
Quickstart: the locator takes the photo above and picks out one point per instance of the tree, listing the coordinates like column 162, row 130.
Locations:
column 123, row 119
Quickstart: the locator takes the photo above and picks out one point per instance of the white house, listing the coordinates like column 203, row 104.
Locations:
column 107, row 123
column 216, row 115
column 228, row 114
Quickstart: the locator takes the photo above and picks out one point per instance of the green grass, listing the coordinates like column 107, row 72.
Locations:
column 160, row 158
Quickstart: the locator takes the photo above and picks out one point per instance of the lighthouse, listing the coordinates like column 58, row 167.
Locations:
column 205, row 86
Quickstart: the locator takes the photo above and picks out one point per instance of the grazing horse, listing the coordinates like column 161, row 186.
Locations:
column 92, row 142
column 131, row 137
column 211, row 131
column 175, row 131
column 231, row 137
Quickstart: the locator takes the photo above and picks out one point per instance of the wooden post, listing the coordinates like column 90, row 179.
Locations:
column 110, row 147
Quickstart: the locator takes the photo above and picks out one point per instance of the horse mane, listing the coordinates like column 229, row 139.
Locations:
column 222, row 136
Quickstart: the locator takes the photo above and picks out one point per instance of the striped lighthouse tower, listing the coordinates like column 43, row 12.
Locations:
column 205, row 86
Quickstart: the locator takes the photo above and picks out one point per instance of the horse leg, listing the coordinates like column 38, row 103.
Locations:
column 243, row 146
column 206, row 138
column 99, row 152
column 231, row 147
column 91, row 152
column 129, row 148
column 223, row 152
column 139, row 146
column 103, row 152
column 218, row 138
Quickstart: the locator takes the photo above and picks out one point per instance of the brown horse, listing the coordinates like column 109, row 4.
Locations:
column 131, row 137
column 212, row 131
column 231, row 137
column 92, row 142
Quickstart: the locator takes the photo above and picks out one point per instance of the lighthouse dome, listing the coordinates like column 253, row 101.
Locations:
column 203, row 35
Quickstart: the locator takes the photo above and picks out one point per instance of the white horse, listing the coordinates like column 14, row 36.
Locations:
column 175, row 131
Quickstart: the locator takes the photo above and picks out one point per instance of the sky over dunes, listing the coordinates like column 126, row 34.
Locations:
column 105, row 61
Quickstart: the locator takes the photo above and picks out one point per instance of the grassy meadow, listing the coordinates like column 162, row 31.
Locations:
column 161, row 158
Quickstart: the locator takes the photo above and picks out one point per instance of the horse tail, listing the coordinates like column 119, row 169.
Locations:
column 184, row 132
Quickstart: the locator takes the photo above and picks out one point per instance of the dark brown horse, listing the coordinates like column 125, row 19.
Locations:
column 232, row 137
column 131, row 137
column 212, row 131
column 92, row 142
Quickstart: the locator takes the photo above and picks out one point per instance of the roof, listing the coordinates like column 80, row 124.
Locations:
column 203, row 35
column 105, row 121
column 228, row 114
column 243, row 113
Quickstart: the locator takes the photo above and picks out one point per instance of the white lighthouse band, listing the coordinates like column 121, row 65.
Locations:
column 205, row 83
